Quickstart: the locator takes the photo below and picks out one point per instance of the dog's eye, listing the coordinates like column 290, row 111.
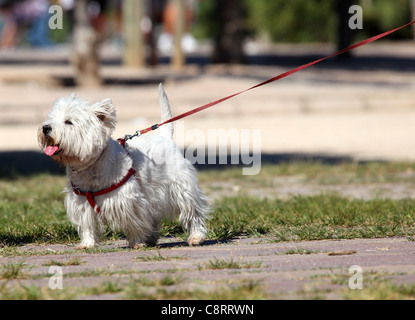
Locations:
column 69, row 122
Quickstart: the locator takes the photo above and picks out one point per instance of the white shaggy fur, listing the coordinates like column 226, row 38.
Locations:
column 164, row 185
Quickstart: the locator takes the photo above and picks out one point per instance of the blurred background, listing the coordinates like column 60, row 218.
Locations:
column 358, row 106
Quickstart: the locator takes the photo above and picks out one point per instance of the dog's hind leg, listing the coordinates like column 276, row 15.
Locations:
column 152, row 238
column 194, row 209
column 142, row 232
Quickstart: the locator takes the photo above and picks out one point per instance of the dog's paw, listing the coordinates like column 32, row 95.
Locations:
column 137, row 245
column 195, row 241
column 83, row 246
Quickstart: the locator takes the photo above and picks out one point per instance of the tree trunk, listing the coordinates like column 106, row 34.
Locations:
column 344, row 33
column 413, row 17
column 229, row 41
column 178, row 58
column 134, row 49
column 85, row 45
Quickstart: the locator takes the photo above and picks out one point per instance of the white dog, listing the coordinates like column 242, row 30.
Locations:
column 130, row 187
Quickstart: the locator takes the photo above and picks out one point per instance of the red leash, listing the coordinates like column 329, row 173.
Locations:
column 283, row 75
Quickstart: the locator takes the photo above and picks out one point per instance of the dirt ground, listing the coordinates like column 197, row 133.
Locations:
column 363, row 110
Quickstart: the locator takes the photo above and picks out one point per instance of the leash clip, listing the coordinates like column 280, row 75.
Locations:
column 130, row 136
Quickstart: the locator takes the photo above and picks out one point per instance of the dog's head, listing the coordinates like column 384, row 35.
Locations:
column 76, row 132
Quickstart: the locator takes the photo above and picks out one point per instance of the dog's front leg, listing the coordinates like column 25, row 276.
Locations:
column 89, row 230
column 84, row 218
column 89, row 238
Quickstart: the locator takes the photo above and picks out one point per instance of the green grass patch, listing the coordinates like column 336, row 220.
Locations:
column 383, row 291
column 32, row 211
column 316, row 172
column 136, row 289
column 74, row 261
column 246, row 291
column 9, row 271
column 299, row 251
column 313, row 218
column 159, row 257
column 219, row 264
column 376, row 285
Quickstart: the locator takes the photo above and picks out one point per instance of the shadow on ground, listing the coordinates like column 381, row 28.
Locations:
column 178, row 244
column 26, row 163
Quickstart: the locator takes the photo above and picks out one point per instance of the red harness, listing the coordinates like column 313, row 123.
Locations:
column 90, row 195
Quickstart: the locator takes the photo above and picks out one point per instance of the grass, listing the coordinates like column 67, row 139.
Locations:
column 299, row 251
column 134, row 290
column 33, row 212
column 159, row 257
column 315, row 172
column 313, row 218
column 9, row 271
column 383, row 291
column 376, row 285
column 244, row 291
column 219, row 264
column 73, row 261
column 26, row 292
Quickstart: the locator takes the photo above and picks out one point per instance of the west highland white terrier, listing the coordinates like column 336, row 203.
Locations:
column 129, row 186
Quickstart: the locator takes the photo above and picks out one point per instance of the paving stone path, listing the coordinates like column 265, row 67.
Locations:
column 279, row 270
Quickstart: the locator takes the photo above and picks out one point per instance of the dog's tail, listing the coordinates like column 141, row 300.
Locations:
column 167, row 129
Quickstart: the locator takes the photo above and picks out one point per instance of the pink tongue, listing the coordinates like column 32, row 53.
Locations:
column 50, row 150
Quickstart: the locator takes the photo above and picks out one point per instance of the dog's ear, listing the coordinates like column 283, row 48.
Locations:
column 105, row 112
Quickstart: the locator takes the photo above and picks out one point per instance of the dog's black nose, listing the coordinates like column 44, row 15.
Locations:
column 46, row 129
